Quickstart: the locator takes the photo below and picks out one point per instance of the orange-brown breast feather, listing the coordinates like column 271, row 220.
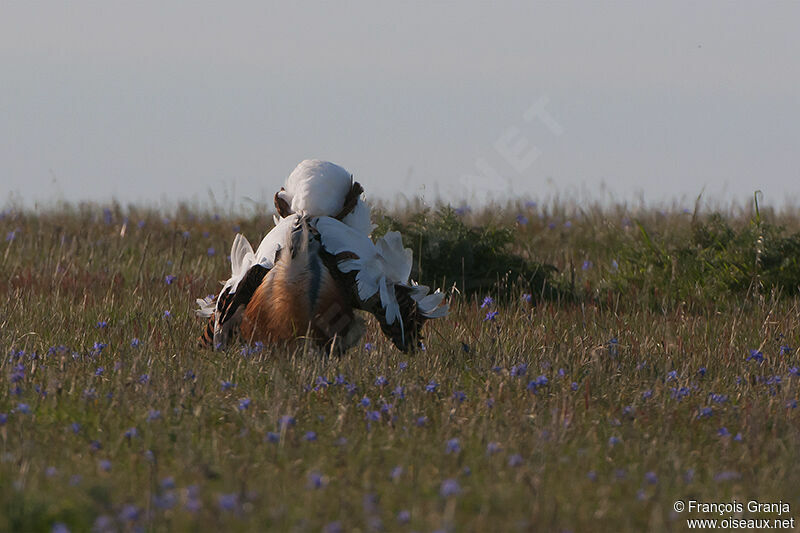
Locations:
column 278, row 310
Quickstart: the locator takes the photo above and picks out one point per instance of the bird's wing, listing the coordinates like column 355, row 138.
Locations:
column 430, row 305
column 360, row 218
column 378, row 279
column 242, row 258
column 397, row 260
column 279, row 237
column 248, row 269
column 355, row 251
column 231, row 304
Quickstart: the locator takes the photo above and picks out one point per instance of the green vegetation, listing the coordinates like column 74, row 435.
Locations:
column 627, row 359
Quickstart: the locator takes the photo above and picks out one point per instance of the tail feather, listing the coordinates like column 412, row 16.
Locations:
column 206, row 340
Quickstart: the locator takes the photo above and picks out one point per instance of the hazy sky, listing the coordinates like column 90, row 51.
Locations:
column 149, row 101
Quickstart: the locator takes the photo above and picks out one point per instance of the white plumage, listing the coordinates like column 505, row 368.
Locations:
column 379, row 267
column 274, row 241
column 324, row 197
column 359, row 218
column 319, row 188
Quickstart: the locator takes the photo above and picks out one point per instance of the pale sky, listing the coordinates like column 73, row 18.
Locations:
column 162, row 102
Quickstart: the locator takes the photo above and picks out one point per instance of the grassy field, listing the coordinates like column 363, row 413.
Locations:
column 658, row 363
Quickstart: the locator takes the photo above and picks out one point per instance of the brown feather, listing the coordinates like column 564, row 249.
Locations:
column 281, row 205
column 350, row 200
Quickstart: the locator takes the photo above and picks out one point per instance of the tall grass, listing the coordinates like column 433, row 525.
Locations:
column 663, row 366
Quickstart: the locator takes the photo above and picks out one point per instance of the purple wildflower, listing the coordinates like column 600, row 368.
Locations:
column 756, row 356
column 727, row 475
column 396, row 473
column 129, row 513
column 18, row 374
column 519, row 370
column 453, row 446
column 286, row 421
column 718, row 398
column 227, row 502
column 449, row 487
column 333, row 527
column 316, row 480
column 403, row 517
column 613, row 347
